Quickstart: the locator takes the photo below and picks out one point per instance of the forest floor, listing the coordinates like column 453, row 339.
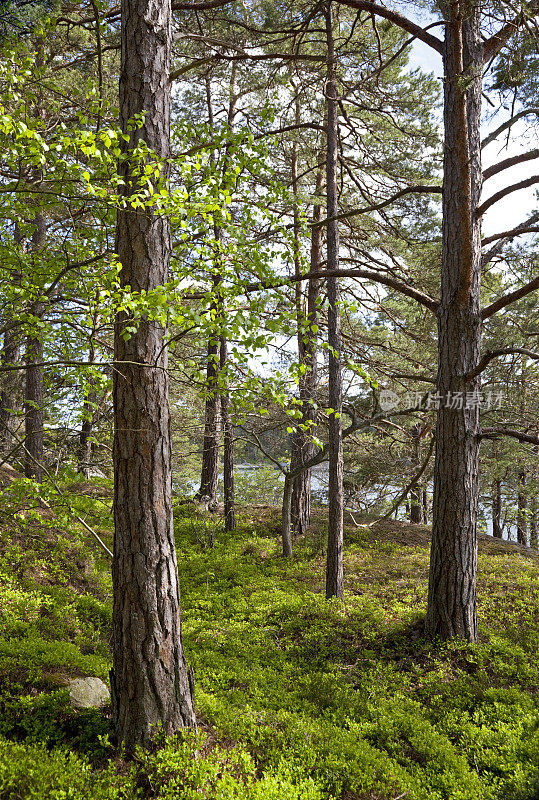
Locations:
column 298, row 698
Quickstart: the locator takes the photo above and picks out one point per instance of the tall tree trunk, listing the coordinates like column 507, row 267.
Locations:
column 286, row 517
column 497, row 509
column 11, row 352
column 11, row 381
column 209, row 475
column 334, row 569
column 303, row 446
column 33, row 389
column 416, row 511
column 210, row 453
column 88, row 413
column 534, row 531
column 522, row 509
column 228, row 448
column 150, row 681
column 534, row 520
column 453, row 564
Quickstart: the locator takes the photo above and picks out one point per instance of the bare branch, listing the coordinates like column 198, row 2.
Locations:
column 512, row 297
column 398, row 19
column 509, row 162
column 515, row 187
column 528, row 226
column 412, row 483
column 528, row 112
column 504, row 351
column 378, row 206
column 493, row 433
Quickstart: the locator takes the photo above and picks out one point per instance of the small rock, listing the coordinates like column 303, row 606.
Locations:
column 88, row 693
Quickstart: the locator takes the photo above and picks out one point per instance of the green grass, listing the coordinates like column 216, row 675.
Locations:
column 297, row 697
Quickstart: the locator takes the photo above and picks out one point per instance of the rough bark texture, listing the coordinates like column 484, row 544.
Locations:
column 150, row 683
column 497, row 509
column 228, row 448
column 453, row 565
column 33, row 389
column 334, row 569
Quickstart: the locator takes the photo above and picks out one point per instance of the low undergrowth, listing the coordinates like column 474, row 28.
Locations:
column 298, row 698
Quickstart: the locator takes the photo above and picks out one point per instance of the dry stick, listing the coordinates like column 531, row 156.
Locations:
column 62, row 495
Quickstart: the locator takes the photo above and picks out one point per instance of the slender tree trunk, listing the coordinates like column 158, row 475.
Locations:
column 334, row 570
column 88, row 413
column 33, row 390
column 150, row 681
column 425, row 501
column 453, row 565
column 286, row 517
column 303, row 446
column 228, row 448
column 534, row 521
column 85, row 440
column 9, row 393
column 210, row 454
column 522, row 509
column 416, row 511
column 497, row 509
column 210, row 450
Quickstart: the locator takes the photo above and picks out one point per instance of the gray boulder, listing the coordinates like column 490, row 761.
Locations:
column 88, row 693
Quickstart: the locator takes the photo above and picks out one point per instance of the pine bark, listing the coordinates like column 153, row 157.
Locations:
column 334, row 568
column 451, row 608
column 150, row 682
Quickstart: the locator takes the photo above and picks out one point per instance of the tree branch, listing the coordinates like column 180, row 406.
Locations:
column 504, row 192
column 509, row 162
column 378, row 206
column 493, row 45
column 508, row 124
column 493, row 433
column 412, row 483
column 416, row 294
column 504, row 351
column 509, row 298
column 528, row 226
column 398, row 19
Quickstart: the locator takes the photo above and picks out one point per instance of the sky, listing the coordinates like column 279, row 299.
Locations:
column 513, row 209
